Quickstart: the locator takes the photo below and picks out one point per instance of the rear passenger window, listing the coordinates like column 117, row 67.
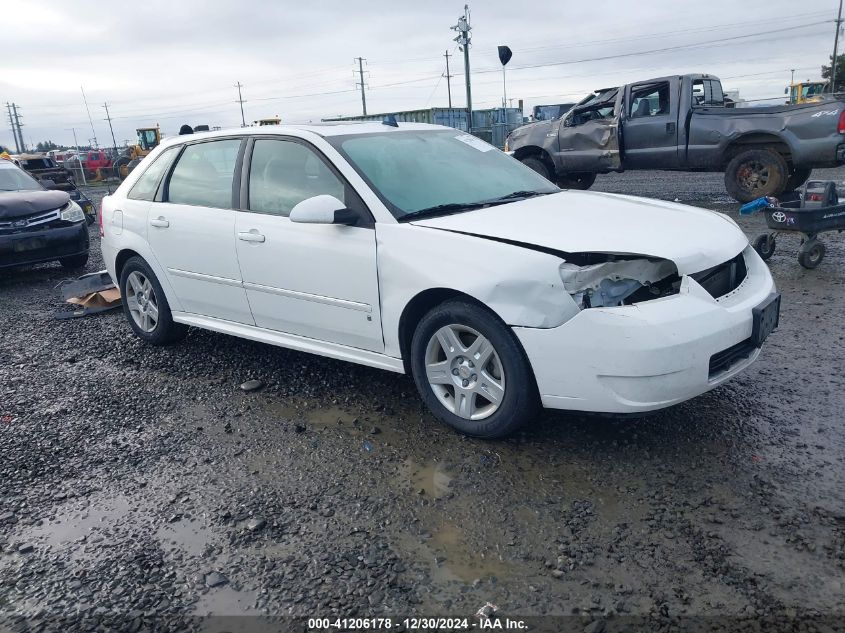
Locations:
column 203, row 174
column 284, row 173
column 147, row 185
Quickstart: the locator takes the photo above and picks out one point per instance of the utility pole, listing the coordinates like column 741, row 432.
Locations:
column 14, row 129
column 241, row 101
column 835, row 50
column 111, row 129
column 90, row 120
column 448, row 78
column 18, row 126
column 463, row 39
column 361, row 61
column 76, row 145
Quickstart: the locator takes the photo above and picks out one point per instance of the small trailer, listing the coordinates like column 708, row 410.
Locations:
column 815, row 211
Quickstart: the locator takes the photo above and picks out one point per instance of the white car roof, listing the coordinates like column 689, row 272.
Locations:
column 327, row 129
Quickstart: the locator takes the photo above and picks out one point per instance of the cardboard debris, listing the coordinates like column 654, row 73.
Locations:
column 93, row 293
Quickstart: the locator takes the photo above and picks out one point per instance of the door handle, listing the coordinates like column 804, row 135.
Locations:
column 160, row 222
column 251, row 236
column 670, row 128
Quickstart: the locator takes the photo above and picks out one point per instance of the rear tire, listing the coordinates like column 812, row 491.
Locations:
column 75, row 262
column 471, row 371
column 535, row 163
column 811, row 253
column 755, row 173
column 581, row 181
column 145, row 305
column 797, row 178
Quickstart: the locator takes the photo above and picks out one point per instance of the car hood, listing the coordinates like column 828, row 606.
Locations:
column 590, row 222
column 16, row 204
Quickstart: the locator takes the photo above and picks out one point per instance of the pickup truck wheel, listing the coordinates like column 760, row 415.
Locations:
column 754, row 173
column 582, row 180
column 797, row 178
column 537, row 165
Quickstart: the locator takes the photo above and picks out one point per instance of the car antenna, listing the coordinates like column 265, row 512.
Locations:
column 390, row 120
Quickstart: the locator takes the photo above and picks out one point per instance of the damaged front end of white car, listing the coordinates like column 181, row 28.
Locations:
column 618, row 281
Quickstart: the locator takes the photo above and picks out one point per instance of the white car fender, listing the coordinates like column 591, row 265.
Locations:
column 521, row 285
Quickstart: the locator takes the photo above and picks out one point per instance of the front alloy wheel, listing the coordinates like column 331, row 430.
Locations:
column 465, row 372
column 471, row 370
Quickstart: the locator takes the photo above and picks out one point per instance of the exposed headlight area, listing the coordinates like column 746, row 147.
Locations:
column 617, row 282
column 72, row 212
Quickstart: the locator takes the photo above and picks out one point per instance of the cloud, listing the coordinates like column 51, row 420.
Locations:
column 173, row 62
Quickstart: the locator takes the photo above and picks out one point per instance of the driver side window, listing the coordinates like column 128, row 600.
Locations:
column 650, row 100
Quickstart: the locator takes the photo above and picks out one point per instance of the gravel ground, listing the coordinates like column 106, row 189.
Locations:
column 142, row 487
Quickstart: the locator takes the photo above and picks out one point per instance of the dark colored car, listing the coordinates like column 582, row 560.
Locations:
column 38, row 225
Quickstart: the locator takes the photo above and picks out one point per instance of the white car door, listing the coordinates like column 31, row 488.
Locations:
column 314, row 280
column 191, row 231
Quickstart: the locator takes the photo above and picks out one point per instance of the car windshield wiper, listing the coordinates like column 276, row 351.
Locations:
column 517, row 195
column 455, row 207
column 444, row 209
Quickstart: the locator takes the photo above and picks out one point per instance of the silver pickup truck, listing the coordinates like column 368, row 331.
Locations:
column 684, row 123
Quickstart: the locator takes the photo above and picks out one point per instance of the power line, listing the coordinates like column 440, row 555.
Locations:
column 655, row 50
column 90, row 120
column 18, row 126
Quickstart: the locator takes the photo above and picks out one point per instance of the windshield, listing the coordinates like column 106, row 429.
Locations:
column 416, row 171
column 17, row 180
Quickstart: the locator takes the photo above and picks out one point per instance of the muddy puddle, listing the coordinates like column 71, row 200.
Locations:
column 76, row 524
column 433, row 479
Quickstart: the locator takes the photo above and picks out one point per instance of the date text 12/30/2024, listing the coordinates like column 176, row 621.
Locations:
column 414, row 624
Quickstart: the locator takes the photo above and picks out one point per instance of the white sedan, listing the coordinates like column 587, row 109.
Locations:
column 420, row 249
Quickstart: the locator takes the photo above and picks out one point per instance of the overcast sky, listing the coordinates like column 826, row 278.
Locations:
column 176, row 61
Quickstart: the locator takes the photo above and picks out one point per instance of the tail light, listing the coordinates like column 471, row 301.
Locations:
column 100, row 221
column 841, row 127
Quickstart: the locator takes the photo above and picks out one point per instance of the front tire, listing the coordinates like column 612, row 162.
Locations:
column 145, row 305
column 581, row 181
column 471, row 371
column 535, row 163
column 755, row 173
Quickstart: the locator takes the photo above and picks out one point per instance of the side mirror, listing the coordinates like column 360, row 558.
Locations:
column 323, row 209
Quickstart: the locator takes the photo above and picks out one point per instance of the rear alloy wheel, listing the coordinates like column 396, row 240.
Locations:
column 471, row 371
column 755, row 173
column 811, row 253
column 145, row 305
